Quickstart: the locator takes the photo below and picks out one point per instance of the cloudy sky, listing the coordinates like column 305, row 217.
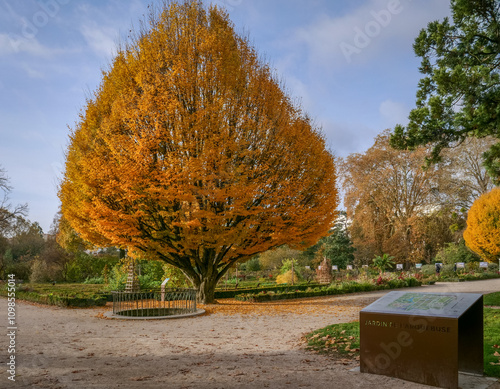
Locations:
column 349, row 62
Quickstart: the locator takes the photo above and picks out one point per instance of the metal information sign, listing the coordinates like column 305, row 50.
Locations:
column 423, row 337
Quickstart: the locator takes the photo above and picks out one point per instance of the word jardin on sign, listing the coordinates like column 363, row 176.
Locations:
column 407, row 326
column 12, row 327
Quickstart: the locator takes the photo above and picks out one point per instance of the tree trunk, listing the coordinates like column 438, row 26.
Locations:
column 205, row 290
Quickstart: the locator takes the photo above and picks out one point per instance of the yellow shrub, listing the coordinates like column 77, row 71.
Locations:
column 483, row 226
column 286, row 278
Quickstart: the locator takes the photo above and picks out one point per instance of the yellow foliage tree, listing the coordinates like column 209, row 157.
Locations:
column 286, row 278
column 483, row 226
column 191, row 153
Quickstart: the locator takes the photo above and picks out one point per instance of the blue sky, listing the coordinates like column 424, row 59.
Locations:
column 349, row 62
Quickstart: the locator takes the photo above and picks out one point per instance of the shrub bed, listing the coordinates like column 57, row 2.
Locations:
column 334, row 289
column 477, row 276
column 60, row 295
column 232, row 293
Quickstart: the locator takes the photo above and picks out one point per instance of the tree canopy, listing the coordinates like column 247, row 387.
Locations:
column 8, row 213
column 483, row 226
column 191, row 152
column 337, row 246
column 386, row 191
column 459, row 95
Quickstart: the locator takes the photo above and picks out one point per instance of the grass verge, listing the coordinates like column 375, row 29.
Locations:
column 492, row 342
column 340, row 340
column 492, row 299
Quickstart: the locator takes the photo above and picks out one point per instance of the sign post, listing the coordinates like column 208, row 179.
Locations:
column 423, row 337
column 163, row 288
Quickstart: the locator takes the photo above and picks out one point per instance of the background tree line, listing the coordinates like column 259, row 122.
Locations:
column 396, row 206
column 393, row 206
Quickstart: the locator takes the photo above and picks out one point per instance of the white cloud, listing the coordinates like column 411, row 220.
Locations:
column 394, row 113
column 102, row 24
column 357, row 37
column 102, row 40
column 347, row 138
column 13, row 44
column 32, row 73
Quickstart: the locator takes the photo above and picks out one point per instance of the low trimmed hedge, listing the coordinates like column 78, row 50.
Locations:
column 477, row 276
column 334, row 289
column 232, row 293
column 77, row 300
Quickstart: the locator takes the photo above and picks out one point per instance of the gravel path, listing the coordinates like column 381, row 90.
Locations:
column 78, row 348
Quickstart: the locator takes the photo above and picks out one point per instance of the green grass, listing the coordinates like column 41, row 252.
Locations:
column 492, row 299
column 492, row 341
column 342, row 340
column 337, row 339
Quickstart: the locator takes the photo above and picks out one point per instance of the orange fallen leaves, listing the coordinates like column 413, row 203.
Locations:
column 309, row 306
column 314, row 306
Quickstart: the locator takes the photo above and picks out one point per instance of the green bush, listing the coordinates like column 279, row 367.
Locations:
column 62, row 298
column 21, row 269
column 428, row 270
column 396, row 283
column 94, row 280
column 177, row 279
column 456, row 252
column 84, row 265
column 148, row 282
column 447, row 271
column 477, row 276
column 383, row 262
column 412, row 281
column 39, row 271
column 220, row 294
column 492, row 267
column 117, row 277
column 153, row 269
column 253, row 264
column 472, row 266
column 333, row 289
column 287, row 266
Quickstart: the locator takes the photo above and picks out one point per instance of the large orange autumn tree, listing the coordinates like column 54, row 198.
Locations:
column 191, row 153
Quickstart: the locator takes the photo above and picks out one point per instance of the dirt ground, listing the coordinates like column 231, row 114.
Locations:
column 231, row 346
